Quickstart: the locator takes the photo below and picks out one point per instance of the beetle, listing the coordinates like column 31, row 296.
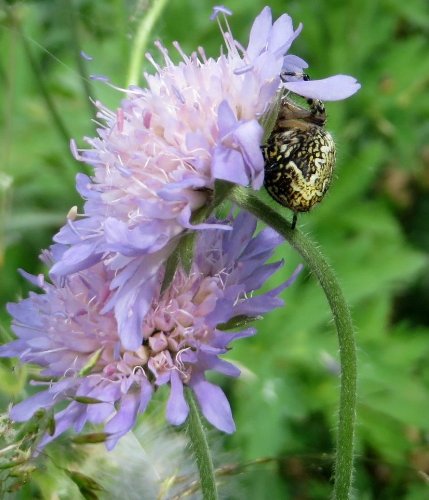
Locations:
column 299, row 155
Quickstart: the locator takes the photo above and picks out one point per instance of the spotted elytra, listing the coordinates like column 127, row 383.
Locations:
column 299, row 155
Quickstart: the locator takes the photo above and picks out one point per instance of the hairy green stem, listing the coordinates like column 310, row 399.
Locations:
column 343, row 322
column 141, row 40
column 201, row 449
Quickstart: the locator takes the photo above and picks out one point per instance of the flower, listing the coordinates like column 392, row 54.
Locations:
column 65, row 331
column 156, row 159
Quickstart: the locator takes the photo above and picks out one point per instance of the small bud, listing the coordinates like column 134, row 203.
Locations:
column 86, row 400
column 93, row 360
column 14, row 463
column 87, row 486
column 93, row 438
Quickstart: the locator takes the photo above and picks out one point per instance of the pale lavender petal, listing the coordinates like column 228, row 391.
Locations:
column 214, row 363
column 280, row 35
column 292, row 63
column 227, row 120
column 64, row 421
column 177, row 407
column 294, row 36
column 249, row 137
column 145, row 395
column 124, row 419
column 255, row 306
column 135, row 241
column 223, row 339
column 38, row 280
column 76, row 258
column 235, row 242
column 214, row 405
column 24, row 312
column 83, row 186
column 12, row 349
column 132, row 304
column 228, row 165
column 333, row 88
column 289, row 281
column 178, row 191
column 26, row 409
column 255, row 279
column 222, row 312
column 100, row 412
column 259, row 33
column 85, row 56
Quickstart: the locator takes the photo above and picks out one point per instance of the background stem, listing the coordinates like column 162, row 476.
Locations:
column 141, row 39
column 343, row 322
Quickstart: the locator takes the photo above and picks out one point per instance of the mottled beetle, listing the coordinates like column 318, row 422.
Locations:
column 299, row 155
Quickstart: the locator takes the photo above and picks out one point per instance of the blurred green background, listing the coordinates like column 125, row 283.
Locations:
column 373, row 228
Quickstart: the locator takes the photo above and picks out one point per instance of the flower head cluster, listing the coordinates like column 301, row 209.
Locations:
column 156, row 159
column 105, row 331
column 65, row 331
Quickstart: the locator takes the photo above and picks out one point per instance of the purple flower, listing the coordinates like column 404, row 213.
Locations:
column 66, row 331
column 156, row 159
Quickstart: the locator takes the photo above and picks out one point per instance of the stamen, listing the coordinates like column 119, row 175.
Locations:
column 150, row 58
column 164, row 52
column 202, row 53
column 220, row 9
column 85, row 56
column 99, row 78
column 140, row 369
column 179, row 49
column 74, row 150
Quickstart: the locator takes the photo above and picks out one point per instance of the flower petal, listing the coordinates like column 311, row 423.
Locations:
column 177, row 407
column 214, row 405
column 333, row 88
column 259, row 33
column 27, row 408
column 124, row 419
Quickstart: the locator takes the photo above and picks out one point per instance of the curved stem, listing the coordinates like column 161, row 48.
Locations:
column 142, row 37
column 201, row 449
column 343, row 323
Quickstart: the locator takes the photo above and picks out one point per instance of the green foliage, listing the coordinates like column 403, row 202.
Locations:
column 372, row 226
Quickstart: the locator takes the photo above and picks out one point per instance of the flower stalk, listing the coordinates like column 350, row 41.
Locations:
column 201, row 449
column 343, row 322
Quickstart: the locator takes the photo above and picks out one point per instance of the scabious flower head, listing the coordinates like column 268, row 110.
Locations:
column 65, row 331
column 156, row 159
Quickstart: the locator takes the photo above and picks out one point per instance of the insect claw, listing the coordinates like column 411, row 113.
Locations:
column 294, row 219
